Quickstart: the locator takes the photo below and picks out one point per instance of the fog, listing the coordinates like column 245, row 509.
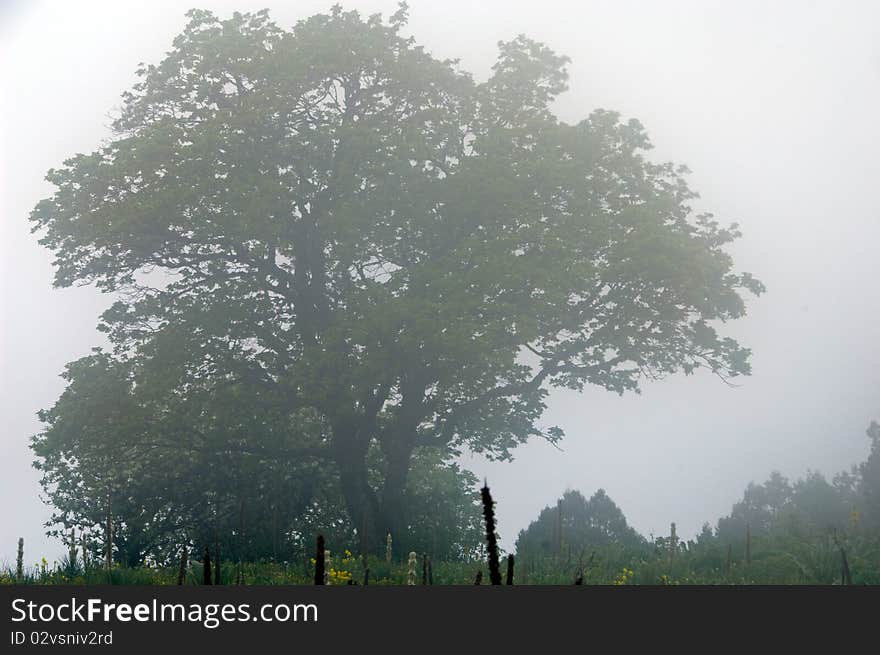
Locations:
column 774, row 108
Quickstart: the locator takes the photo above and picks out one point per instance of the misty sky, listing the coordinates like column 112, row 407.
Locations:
column 774, row 106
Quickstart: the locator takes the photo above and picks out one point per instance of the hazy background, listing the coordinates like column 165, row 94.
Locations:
column 774, row 106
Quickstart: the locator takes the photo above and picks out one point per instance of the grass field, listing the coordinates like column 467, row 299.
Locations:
column 818, row 561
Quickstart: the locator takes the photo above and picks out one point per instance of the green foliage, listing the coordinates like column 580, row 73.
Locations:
column 800, row 531
column 795, row 533
column 173, row 477
column 778, row 558
column 577, row 525
column 869, row 479
column 324, row 243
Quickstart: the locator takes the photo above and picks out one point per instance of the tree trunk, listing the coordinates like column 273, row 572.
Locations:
column 373, row 516
column 392, row 516
column 360, row 500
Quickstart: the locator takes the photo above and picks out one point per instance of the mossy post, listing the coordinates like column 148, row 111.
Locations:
column 181, row 572
column 72, row 549
column 19, row 562
column 491, row 535
column 206, row 567
column 411, row 569
column 319, row 560
column 558, row 527
column 748, row 544
column 673, row 542
column 845, row 577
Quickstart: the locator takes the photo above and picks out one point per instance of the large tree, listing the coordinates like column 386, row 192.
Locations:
column 368, row 236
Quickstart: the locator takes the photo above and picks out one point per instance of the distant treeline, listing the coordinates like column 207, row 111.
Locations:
column 811, row 530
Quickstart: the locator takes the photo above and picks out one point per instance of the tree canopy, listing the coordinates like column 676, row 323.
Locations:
column 328, row 246
column 576, row 524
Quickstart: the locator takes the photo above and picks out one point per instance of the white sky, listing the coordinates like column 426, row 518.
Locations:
column 774, row 106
